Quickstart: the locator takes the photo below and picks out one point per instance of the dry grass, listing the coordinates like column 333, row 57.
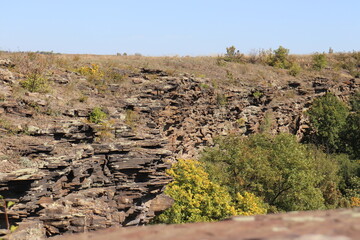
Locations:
column 254, row 68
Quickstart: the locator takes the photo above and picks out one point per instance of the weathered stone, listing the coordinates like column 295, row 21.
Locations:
column 6, row 75
column 85, row 183
column 85, row 188
column 33, row 230
column 6, row 63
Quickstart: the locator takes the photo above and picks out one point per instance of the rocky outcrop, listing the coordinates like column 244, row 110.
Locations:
column 82, row 185
column 77, row 176
column 192, row 112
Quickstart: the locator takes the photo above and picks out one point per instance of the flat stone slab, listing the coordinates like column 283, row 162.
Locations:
column 340, row 224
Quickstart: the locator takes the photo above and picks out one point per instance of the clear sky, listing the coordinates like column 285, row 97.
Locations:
column 186, row 27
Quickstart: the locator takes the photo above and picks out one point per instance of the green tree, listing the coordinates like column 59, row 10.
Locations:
column 350, row 136
column 328, row 116
column 197, row 199
column 287, row 174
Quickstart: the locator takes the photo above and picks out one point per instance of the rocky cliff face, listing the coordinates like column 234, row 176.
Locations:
column 89, row 185
column 72, row 175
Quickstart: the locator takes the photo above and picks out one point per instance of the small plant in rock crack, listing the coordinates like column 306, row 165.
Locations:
column 221, row 99
column 97, row 115
column 105, row 130
column 6, row 205
column 257, row 94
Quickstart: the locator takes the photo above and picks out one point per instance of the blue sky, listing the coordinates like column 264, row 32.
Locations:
column 197, row 27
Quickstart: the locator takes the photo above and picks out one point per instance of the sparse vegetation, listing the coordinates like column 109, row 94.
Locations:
column 35, row 83
column 131, row 118
column 97, row 115
column 233, row 55
column 93, row 72
column 221, row 99
column 295, row 69
column 105, row 131
column 319, row 61
column 6, row 205
column 280, row 58
column 257, row 94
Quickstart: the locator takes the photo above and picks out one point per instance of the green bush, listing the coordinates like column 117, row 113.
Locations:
column 319, row 61
column 349, row 62
column 328, row 116
column 280, row 58
column 233, row 55
column 35, row 83
column 97, row 115
column 351, row 134
column 286, row 174
column 295, row 69
column 355, row 102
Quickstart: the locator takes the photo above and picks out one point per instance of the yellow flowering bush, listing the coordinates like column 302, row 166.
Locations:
column 197, row 199
column 93, row 72
column 249, row 204
column 355, row 202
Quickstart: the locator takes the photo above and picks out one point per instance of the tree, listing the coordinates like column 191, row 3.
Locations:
column 197, row 199
column 286, row 174
column 327, row 116
column 351, row 134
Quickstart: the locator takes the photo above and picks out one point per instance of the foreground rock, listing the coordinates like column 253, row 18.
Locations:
column 318, row 225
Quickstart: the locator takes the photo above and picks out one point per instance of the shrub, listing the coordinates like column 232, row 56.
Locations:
column 295, row 69
column 350, row 62
column 221, row 99
column 355, row 102
column 231, row 51
column 355, row 202
column 233, row 55
column 105, row 131
column 280, row 58
column 248, row 204
column 93, row 72
column 319, row 61
column 197, row 199
column 286, row 174
column 327, row 116
column 35, row 83
column 351, row 134
column 257, row 94
column 97, row 115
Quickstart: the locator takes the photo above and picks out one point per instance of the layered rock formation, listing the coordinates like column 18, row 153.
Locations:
column 89, row 185
column 74, row 176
